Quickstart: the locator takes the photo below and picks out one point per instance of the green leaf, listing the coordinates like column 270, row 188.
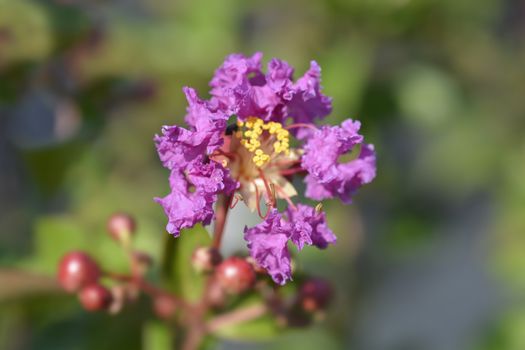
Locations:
column 54, row 236
column 57, row 235
column 186, row 281
column 156, row 336
column 311, row 339
column 263, row 328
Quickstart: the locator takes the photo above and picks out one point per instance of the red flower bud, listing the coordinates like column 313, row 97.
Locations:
column 315, row 294
column 121, row 227
column 235, row 275
column 76, row 270
column 95, row 297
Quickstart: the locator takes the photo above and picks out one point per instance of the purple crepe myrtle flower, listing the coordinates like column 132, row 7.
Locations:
column 251, row 160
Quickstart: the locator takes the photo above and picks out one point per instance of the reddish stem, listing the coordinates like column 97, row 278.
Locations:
column 220, row 152
column 258, row 204
column 145, row 286
column 220, row 219
column 269, row 192
column 237, row 316
column 193, row 338
column 233, row 202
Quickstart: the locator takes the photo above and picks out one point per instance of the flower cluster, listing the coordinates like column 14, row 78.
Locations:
column 251, row 159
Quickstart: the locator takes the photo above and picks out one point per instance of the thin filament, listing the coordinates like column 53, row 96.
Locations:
column 258, row 204
column 301, row 125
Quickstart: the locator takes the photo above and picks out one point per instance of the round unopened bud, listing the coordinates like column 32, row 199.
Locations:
column 77, row 269
column 315, row 294
column 204, row 259
column 121, row 227
column 164, row 306
column 95, row 297
column 235, row 275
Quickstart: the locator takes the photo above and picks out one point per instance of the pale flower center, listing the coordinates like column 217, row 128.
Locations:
column 258, row 155
column 263, row 140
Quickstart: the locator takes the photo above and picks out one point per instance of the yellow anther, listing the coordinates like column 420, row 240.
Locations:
column 251, row 138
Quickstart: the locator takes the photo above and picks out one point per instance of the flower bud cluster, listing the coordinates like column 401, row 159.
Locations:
column 79, row 273
column 228, row 280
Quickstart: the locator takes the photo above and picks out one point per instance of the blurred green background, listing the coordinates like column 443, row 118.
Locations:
column 430, row 256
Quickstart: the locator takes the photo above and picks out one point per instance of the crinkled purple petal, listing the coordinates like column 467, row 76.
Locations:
column 205, row 118
column 178, row 146
column 267, row 243
column 327, row 177
column 233, row 80
column 194, row 190
column 356, row 173
column 309, row 227
column 279, row 78
column 241, row 88
column 315, row 190
column 301, row 233
column 211, row 178
column 324, row 148
column 308, row 103
column 260, row 101
column 234, row 72
column 183, row 207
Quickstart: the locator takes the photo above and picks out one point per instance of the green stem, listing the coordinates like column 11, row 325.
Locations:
column 168, row 255
column 166, row 270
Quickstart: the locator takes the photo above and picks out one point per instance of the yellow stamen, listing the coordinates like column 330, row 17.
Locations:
column 250, row 138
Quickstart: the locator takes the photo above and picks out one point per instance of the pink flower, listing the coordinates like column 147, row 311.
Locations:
column 253, row 158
